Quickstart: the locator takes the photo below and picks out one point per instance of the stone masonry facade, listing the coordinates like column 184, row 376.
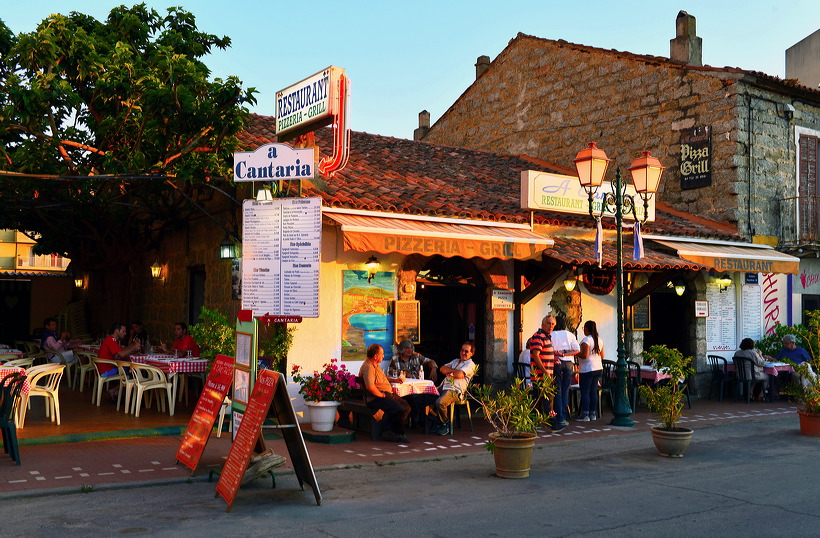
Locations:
column 548, row 98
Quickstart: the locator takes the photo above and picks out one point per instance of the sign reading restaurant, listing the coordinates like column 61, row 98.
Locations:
column 557, row 192
column 308, row 104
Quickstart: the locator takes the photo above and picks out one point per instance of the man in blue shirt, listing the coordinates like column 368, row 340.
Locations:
column 792, row 351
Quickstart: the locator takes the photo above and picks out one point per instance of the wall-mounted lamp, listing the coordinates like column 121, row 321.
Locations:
column 678, row 285
column 571, row 281
column 372, row 265
column 724, row 283
column 227, row 249
column 78, row 282
column 156, row 272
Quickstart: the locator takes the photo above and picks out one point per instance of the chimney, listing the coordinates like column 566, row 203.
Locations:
column 481, row 65
column 686, row 48
column 424, row 125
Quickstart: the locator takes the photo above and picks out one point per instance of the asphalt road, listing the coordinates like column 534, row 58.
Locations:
column 749, row 478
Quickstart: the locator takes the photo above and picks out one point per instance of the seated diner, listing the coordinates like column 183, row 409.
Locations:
column 183, row 342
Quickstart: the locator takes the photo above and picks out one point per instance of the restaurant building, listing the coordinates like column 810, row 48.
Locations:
column 447, row 228
column 740, row 148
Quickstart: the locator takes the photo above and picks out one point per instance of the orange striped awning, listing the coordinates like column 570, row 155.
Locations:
column 364, row 233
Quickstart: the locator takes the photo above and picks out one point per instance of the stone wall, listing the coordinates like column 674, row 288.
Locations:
column 547, row 99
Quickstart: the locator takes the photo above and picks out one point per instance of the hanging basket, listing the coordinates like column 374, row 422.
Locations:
column 599, row 281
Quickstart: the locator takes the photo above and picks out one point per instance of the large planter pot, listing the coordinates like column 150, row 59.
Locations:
column 809, row 423
column 513, row 456
column 322, row 415
column 672, row 443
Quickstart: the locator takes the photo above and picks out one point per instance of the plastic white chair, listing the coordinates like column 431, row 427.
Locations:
column 44, row 381
column 147, row 377
column 100, row 382
column 85, row 365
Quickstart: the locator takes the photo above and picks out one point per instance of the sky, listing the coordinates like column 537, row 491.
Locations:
column 405, row 57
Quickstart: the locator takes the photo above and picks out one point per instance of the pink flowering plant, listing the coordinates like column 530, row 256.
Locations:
column 333, row 384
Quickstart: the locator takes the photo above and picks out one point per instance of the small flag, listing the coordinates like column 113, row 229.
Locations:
column 638, row 252
column 599, row 239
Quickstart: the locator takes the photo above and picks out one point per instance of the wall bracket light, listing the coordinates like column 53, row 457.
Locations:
column 156, row 272
column 227, row 249
column 571, row 280
column 372, row 266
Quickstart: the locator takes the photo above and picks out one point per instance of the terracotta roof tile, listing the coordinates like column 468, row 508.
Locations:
column 420, row 178
column 582, row 253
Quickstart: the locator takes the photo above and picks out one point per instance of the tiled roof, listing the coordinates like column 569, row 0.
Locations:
column 420, row 178
column 582, row 253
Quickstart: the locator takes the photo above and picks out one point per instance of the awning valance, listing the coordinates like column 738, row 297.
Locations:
column 747, row 259
column 365, row 233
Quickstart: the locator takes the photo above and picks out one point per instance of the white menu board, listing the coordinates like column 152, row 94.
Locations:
column 281, row 245
column 752, row 320
column 721, row 324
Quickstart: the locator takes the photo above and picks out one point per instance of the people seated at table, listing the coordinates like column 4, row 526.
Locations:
column 183, row 342
column 458, row 374
column 792, row 351
column 408, row 363
column 761, row 379
column 138, row 331
column 524, row 358
column 379, row 395
column 51, row 342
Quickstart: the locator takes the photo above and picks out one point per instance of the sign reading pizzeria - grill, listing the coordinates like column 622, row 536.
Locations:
column 308, row 104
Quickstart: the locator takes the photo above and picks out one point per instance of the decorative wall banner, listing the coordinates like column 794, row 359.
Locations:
column 408, row 321
column 366, row 318
column 696, row 158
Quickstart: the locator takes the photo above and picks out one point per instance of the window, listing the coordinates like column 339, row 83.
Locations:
column 807, row 186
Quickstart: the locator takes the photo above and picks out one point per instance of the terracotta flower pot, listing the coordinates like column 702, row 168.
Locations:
column 809, row 423
column 672, row 443
column 513, row 456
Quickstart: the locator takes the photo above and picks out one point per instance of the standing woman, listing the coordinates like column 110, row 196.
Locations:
column 591, row 367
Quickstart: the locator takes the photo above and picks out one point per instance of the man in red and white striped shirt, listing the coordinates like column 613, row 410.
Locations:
column 542, row 357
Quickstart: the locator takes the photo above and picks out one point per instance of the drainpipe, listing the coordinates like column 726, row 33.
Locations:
column 749, row 228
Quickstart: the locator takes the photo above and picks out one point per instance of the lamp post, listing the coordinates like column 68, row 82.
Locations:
column 591, row 164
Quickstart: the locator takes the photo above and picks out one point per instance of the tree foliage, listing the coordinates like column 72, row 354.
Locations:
column 111, row 128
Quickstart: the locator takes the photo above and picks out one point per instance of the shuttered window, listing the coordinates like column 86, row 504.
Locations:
column 808, row 184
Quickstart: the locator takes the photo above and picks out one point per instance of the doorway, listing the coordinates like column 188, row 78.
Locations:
column 670, row 317
column 451, row 295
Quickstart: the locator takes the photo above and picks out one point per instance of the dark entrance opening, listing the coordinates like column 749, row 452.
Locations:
column 670, row 317
column 451, row 295
column 15, row 310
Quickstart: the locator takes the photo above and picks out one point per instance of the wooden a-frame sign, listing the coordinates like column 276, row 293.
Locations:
column 268, row 391
column 207, row 408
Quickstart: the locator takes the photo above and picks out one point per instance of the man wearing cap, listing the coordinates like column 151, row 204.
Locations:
column 410, row 363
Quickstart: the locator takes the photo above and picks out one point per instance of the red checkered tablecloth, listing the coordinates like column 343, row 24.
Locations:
column 170, row 365
column 414, row 386
column 15, row 351
column 12, row 370
column 771, row 368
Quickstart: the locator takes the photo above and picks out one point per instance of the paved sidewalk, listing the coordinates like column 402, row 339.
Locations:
column 73, row 467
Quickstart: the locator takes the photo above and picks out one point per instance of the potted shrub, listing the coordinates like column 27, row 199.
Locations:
column 515, row 417
column 323, row 392
column 667, row 400
column 807, row 393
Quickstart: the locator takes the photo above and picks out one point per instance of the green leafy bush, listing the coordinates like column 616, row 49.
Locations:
column 514, row 411
column 666, row 399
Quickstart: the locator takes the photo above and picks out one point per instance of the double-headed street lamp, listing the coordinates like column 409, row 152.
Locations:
column 591, row 164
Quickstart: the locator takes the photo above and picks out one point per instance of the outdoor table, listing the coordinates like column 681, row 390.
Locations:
column 171, row 365
column 414, row 386
column 90, row 348
column 653, row 376
column 15, row 351
column 771, row 368
column 8, row 370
